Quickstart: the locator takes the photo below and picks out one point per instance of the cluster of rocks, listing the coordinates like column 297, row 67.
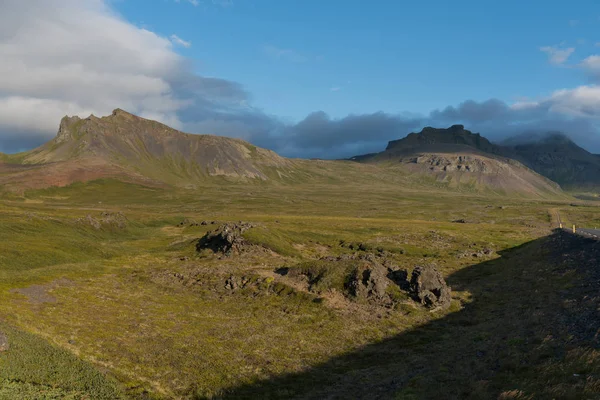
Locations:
column 365, row 247
column 377, row 280
column 235, row 282
column 227, row 239
column 105, row 220
column 464, row 163
column 427, row 286
column 482, row 253
column 189, row 222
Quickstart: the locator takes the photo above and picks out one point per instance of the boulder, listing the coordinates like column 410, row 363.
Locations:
column 187, row 222
column 428, row 287
column 227, row 239
column 369, row 281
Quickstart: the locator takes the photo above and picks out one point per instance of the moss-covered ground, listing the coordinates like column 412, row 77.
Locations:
column 135, row 312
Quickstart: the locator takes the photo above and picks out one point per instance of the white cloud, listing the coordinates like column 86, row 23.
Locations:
column 557, row 55
column 335, row 89
column 179, row 41
column 583, row 101
column 580, row 102
column 591, row 65
column 78, row 57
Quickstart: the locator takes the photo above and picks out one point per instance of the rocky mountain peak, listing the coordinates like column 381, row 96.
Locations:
column 454, row 135
column 117, row 112
column 65, row 128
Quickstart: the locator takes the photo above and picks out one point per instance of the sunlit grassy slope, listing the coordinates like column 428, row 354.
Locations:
column 133, row 311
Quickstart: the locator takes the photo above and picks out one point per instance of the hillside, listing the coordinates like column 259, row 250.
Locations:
column 136, row 146
column 557, row 157
column 459, row 158
column 133, row 149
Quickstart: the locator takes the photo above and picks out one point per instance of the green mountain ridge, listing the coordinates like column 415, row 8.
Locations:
column 133, row 149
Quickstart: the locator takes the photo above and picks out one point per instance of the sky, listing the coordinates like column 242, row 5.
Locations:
column 308, row 78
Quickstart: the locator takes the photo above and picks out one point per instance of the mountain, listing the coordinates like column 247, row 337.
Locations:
column 132, row 148
column 552, row 155
column 430, row 139
column 459, row 158
column 557, row 157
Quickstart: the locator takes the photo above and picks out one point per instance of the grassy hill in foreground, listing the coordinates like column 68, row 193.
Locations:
column 132, row 309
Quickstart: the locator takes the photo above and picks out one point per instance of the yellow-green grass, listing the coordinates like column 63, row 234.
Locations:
column 122, row 307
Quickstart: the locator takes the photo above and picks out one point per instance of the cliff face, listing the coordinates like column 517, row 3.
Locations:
column 455, row 135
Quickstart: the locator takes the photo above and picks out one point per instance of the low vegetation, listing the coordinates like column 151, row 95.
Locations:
column 103, row 294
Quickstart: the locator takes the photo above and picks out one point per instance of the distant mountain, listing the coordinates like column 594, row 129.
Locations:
column 551, row 154
column 133, row 149
column 557, row 157
column 432, row 138
column 460, row 158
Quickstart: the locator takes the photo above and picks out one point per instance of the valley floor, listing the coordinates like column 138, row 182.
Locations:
column 103, row 295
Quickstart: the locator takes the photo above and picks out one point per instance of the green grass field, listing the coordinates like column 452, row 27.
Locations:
column 134, row 312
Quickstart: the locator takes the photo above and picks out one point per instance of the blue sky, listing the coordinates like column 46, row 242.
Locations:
column 393, row 56
column 310, row 78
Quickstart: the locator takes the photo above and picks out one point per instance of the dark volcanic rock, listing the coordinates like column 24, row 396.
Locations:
column 369, row 281
column 227, row 239
column 188, row 222
column 400, row 278
column 429, row 287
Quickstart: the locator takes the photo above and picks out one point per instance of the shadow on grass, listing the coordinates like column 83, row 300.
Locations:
column 529, row 331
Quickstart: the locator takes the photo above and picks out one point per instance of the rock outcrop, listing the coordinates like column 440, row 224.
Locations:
column 227, row 239
column 369, row 281
column 429, row 287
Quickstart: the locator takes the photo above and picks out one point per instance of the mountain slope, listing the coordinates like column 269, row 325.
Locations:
column 557, row 157
column 153, row 148
column 128, row 147
column 133, row 149
column 458, row 158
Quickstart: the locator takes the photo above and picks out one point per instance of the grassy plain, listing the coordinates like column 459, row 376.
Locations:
column 135, row 312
